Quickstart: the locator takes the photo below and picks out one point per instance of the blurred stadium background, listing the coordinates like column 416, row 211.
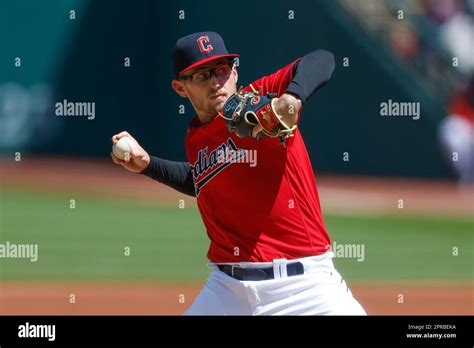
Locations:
column 407, row 51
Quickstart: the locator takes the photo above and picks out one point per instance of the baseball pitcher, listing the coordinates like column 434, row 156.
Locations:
column 250, row 172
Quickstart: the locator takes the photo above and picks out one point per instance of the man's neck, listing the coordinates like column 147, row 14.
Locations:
column 203, row 119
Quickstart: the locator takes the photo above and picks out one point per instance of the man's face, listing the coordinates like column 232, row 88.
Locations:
column 208, row 95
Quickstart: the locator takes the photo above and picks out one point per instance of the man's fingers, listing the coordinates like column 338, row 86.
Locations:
column 116, row 160
column 257, row 129
column 120, row 135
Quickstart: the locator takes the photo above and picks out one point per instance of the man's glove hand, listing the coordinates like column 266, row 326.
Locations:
column 245, row 110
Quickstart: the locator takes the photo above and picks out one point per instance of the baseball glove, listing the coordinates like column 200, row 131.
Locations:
column 244, row 110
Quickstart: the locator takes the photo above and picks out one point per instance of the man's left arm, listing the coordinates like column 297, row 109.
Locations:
column 310, row 73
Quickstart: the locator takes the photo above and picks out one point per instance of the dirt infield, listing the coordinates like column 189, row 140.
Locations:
column 34, row 298
column 338, row 194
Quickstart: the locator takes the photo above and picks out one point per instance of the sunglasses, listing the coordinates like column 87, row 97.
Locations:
column 202, row 76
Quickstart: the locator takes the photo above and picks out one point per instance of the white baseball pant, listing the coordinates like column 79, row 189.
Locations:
column 319, row 291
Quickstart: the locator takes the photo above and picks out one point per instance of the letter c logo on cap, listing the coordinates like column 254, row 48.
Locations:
column 204, row 45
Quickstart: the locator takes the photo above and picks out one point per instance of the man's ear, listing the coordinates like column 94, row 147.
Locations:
column 236, row 75
column 179, row 88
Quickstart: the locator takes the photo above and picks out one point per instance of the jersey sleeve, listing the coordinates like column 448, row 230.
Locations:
column 176, row 175
column 275, row 83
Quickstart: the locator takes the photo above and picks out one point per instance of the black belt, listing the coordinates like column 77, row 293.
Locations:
column 264, row 273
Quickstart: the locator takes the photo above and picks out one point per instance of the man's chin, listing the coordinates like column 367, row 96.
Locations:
column 219, row 107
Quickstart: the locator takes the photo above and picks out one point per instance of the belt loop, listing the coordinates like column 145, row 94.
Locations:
column 279, row 268
column 283, row 268
column 276, row 269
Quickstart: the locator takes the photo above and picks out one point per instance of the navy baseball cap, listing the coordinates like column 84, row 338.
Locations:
column 196, row 49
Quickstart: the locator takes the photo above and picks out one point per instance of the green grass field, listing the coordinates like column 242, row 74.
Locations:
column 168, row 243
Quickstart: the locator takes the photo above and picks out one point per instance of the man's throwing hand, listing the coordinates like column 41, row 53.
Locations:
column 137, row 160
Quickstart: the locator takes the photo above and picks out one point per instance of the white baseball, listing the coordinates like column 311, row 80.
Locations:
column 122, row 148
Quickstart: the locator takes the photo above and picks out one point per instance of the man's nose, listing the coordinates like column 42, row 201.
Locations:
column 215, row 81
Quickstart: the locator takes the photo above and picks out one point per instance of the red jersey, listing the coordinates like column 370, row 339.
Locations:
column 264, row 204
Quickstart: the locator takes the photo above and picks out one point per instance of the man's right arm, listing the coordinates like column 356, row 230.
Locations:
column 177, row 175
